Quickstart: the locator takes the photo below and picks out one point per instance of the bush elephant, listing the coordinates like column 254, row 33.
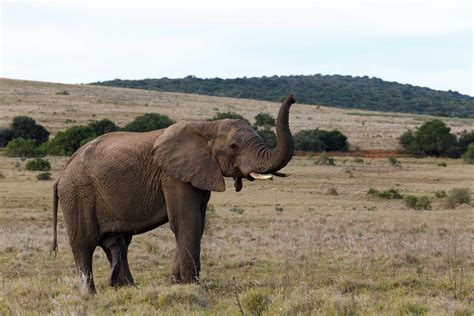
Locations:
column 123, row 184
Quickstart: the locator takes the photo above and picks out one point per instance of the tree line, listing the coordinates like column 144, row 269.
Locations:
column 330, row 90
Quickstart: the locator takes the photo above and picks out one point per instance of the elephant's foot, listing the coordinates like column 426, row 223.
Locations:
column 121, row 275
column 116, row 249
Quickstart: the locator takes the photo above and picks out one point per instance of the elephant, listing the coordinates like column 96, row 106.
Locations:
column 123, row 184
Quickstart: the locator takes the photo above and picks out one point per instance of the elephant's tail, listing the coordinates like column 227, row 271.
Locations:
column 54, row 246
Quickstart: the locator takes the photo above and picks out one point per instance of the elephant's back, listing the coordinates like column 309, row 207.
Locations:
column 108, row 155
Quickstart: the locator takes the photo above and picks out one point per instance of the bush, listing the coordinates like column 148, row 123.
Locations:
column 26, row 127
column 421, row 203
column 228, row 115
column 103, row 126
column 268, row 137
column 38, row 164
column 469, row 154
column 6, row 135
column 20, row 147
column 43, row 176
column 148, row 122
column 67, row 142
column 264, row 120
column 388, row 194
column 320, row 140
column 440, row 194
column 465, row 140
column 431, row 139
column 458, row 196
column 237, row 210
column 324, row 159
column 256, row 301
column 442, row 164
column 394, row 161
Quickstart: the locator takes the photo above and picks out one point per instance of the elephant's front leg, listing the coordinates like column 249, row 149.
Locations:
column 185, row 217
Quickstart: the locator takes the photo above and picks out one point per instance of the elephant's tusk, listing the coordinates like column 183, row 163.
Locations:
column 281, row 174
column 259, row 176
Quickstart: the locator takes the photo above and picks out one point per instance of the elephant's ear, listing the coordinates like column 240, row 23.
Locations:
column 185, row 155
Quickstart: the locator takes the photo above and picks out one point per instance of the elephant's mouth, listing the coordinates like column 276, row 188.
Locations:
column 256, row 176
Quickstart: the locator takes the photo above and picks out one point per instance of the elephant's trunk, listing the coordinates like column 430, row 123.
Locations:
column 272, row 160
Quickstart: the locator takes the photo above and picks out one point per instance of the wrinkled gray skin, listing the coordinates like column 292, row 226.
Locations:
column 122, row 184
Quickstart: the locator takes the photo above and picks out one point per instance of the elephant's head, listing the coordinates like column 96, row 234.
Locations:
column 203, row 153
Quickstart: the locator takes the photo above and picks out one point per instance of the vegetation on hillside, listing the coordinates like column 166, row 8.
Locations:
column 434, row 139
column 331, row 90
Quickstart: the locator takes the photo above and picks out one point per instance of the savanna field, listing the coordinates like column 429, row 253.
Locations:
column 313, row 243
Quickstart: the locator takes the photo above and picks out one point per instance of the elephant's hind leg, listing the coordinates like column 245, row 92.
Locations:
column 83, row 259
column 116, row 248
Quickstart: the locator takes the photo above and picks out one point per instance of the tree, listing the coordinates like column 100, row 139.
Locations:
column 264, row 119
column 6, row 135
column 67, row 142
column 148, row 122
column 20, row 147
column 320, row 140
column 103, row 126
column 26, row 127
column 408, row 143
column 465, row 139
column 431, row 139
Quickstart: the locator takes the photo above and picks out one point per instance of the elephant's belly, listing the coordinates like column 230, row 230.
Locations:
column 133, row 216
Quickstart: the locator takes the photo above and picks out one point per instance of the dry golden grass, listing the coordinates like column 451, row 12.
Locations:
column 365, row 129
column 313, row 243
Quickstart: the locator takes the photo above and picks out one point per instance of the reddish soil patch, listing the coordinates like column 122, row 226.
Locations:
column 372, row 153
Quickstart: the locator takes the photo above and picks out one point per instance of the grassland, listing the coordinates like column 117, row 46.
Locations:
column 313, row 243
column 56, row 111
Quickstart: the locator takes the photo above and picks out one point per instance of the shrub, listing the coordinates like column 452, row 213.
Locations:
column 442, row 164
column 103, row 126
column 63, row 92
column 421, row 203
column 26, row 127
column 388, row 194
column 465, row 140
column 440, row 194
column 148, row 122
column 264, row 120
column 414, row 309
column 256, row 301
column 237, row 210
column 431, row 139
column 38, row 164
column 320, row 140
column 324, row 159
column 67, row 142
column 458, row 196
column 43, row 176
column 469, row 154
column 359, row 160
column 6, row 135
column 394, row 161
column 268, row 137
column 278, row 208
column 228, row 115
column 20, row 147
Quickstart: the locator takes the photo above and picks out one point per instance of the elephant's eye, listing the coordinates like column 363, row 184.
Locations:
column 233, row 146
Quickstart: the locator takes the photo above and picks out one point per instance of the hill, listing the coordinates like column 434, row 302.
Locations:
column 59, row 106
column 331, row 90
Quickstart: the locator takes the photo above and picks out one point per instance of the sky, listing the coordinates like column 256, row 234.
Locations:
column 423, row 43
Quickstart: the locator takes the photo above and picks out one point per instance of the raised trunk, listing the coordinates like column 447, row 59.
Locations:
column 272, row 160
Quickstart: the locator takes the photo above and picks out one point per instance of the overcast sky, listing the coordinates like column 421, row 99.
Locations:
column 426, row 43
